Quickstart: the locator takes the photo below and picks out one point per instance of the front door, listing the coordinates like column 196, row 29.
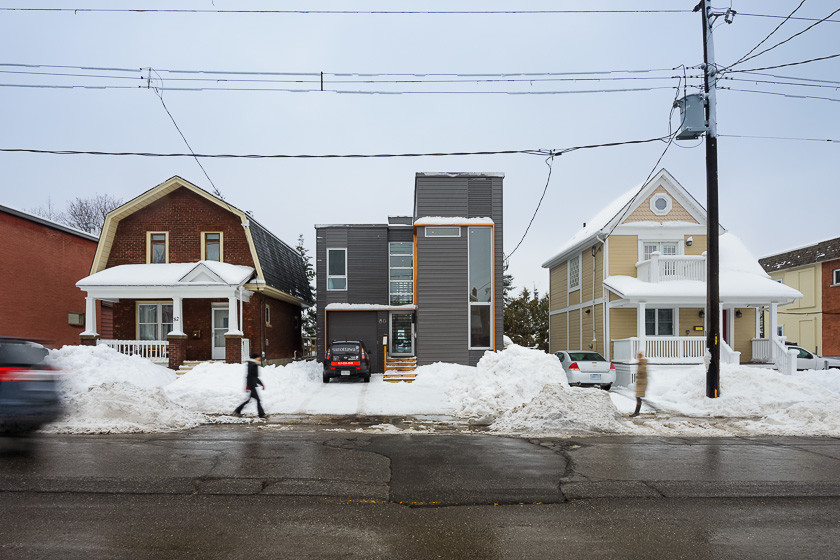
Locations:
column 402, row 334
column 220, row 327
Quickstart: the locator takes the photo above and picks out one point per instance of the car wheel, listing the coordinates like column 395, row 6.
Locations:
column 326, row 377
column 367, row 378
column 606, row 387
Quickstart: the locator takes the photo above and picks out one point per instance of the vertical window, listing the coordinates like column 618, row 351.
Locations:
column 401, row 272
column 157, row 248
column 211, row 249
column 659, row 322
column 267, row 316
column 154, row 320
column 336, row 269
column 574, row 273
column 837, row 277
column 480, row 286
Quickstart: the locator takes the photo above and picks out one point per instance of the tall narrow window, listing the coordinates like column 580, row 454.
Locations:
column 480, row 287
column 401, row 272
column 157, row 247
column 212, row 246
column 574, row 273
column 336, row 269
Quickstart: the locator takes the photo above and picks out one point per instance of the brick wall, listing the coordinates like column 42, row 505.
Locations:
column 40, row 268
column 283, row 334
column 831, row 310
column 184, row 215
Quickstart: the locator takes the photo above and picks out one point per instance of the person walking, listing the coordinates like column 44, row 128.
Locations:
column 251, row 381
column 641, row 382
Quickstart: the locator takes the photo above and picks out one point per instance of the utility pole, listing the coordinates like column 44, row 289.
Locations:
column 712, row 219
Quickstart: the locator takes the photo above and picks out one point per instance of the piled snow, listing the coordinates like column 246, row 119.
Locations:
column 105, row 391
column 519, row 391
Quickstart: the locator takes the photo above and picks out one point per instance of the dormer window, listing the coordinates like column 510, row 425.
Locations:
column 211, row 246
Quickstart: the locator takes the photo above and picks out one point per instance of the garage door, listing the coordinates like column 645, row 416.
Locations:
column 356, row 325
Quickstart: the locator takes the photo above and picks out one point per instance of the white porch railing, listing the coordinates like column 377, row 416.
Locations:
column 727, row 354
column 762, row 350
column 155, row 350
column 774, row 351
column 666, row 268
column 666, row 348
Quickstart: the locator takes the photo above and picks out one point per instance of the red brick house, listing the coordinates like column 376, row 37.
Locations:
column 814, row 321
column 192, row 278
column 41, row 261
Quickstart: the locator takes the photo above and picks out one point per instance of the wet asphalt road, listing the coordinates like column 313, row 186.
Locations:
column 311, row 492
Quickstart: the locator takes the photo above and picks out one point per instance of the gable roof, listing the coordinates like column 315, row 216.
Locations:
column 278, row 267
column 614, row 213
column 46, row 222
column 818, row 252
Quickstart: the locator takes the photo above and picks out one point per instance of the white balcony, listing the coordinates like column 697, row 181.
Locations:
column 667, row 268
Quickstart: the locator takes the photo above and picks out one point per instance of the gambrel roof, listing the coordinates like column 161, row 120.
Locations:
column 279, row 269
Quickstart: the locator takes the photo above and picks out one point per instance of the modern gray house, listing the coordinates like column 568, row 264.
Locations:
column 419, row 289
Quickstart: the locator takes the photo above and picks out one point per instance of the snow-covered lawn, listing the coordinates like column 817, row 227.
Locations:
column 517, row 391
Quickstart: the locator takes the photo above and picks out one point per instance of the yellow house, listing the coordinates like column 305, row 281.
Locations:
column 634, row 279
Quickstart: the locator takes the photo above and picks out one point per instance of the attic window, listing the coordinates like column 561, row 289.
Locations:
column 660, row 204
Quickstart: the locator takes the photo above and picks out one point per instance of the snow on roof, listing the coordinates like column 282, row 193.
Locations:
column 170, row 274
column 741, row 277
column 366, row 306
column 459, row 174
column 452, row 220
column 596, row 224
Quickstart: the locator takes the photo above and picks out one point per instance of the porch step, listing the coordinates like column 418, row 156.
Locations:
column 397, row 369
column 398, row 377
column 186, row 366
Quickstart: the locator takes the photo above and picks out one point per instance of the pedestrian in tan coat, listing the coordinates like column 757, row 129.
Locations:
column 641, row 382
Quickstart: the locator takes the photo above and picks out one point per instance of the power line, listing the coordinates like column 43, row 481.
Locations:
column 549, row 162
column 340, row 12
column 744, row 14
column 780, row 138
column 767, row 37
column 780, row 94
column 828, row 57
column 538, row 152
column 777, row 83
column 801, row 79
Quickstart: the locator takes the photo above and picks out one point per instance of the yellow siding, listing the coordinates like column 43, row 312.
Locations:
column 624, row 253
column 586, row 275
column 744, row 333
column 586, row 332
column 698, row 245
column 802, row 320
column 690, row 318
column 557, row 286
column 599, row 271
column 574, row 297
column 643, row 213
column 558, row 339
column 599, row 344
column 574, row 331
column 622, row 325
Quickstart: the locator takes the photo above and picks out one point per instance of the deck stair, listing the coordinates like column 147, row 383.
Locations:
column 186, row 366
column 400, row 369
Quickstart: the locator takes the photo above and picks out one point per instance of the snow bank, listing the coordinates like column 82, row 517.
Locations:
column 105, row 391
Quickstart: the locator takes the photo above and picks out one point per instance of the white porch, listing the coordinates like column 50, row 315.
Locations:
column 156, row 351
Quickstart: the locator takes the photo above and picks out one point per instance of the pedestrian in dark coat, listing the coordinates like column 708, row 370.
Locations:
column 251, row 382
column 641, row 382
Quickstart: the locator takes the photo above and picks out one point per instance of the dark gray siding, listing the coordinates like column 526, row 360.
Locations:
column 499, row 264
column 367, row 265
column 441, row 299
column 440, row 196
column 480, row 198
column 400, row 234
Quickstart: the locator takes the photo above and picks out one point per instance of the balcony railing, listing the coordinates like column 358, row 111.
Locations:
column 666, row 268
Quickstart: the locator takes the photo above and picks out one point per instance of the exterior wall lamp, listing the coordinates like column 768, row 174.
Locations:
column 738, row 313
column 702, row 313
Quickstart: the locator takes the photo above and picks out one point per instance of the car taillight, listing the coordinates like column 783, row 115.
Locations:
column 612, row 365
column 327, row 358
column 573, row 365
column 363, row 355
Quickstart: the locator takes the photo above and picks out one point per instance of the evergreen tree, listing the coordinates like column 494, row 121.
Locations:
column 526, row 320
column 308, row 321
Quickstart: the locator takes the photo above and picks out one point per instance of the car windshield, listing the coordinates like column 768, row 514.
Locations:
column 586, row 357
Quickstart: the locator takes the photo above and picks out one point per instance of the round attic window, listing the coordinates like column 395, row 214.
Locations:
column 660, row 204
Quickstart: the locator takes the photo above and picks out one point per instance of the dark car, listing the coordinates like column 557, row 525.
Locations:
column 346, row 358
column 29, row 395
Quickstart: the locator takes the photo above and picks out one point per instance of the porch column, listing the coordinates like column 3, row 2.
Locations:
column 759, row 311
column 640, row 328
column 233, row 317
column 233, row 337
column 774, row 321
column 177, row 312
column 89, row 336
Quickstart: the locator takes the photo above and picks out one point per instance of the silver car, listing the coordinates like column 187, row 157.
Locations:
column 585, row 367
column 807, row 360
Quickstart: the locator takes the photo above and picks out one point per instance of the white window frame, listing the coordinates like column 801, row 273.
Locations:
column 159, row 314
column 489, row 305
column 677, row 242
column 149, row 245
column 344, row 276
column 570, row 287
column 442, row 231
column 668, row 206
column 835, row 276
column 390, row 268
column 221, row 245
column 674, row 321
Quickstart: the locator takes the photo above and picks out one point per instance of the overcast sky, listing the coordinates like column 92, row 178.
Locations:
column 774, row 194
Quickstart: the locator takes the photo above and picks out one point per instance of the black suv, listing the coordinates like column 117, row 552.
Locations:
column 345, row 358
column 28, row 389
